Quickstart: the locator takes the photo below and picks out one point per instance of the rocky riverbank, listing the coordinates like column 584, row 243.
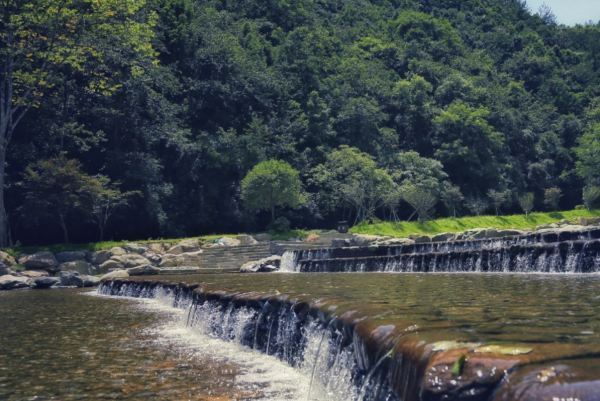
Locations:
column 86, row 269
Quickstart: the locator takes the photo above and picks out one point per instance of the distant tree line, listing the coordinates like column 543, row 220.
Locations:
column 152, row 118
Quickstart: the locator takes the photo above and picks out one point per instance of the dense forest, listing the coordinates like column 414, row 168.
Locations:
column 140, row 119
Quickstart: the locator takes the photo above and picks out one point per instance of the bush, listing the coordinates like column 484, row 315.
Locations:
column 526, row 201
column 552, row 198
column 591, row 196
column 280, row 225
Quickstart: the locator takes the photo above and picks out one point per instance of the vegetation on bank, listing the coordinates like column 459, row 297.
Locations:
column 445, row 225
column 152, row 112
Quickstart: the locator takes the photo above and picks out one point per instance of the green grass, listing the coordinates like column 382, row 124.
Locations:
column 445, row 225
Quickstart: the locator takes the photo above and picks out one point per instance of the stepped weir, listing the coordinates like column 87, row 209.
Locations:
column 448, row 336
column 551, row 252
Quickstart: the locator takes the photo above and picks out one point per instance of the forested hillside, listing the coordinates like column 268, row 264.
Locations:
column 164, row 106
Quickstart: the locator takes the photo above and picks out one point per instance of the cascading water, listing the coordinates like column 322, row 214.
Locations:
column 565, row 252
column 331, row 356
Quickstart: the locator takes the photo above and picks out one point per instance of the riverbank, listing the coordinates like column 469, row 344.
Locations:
column 404, row 229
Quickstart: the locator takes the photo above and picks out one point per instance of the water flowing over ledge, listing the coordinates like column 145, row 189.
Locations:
column 348, row 357
column 335, row 358
column 552, row 252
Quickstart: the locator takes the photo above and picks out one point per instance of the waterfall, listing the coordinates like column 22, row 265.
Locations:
column 551, row 252
column 323, row 349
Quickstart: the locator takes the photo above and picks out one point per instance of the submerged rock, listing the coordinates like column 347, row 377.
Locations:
column 10, row 282
column 40, row 261
column 266, row 265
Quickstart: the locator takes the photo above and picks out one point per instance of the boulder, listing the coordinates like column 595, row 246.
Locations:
column 115, row 274
column 110, row 264
column 158, row 247
column 154, row 258
column 246, row 239
column 143, row 270
column 99, row 257
column 74, row 279
column 80, row 266
column 90, row 281
column 227, row 241
column 117, row 251
column 266, row 265
column 187, row 245
column 4, row 270
column 510, row 233
column 70, row 279
column 130, row 260
column 133, row 247
column 588, row 221
column 40, row 261
column 45, row 282
column 34, row 273
column 71, row 256
column 10, row 282
column 7, row 259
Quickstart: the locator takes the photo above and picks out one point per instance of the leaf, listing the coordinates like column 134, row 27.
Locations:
column 457, row 367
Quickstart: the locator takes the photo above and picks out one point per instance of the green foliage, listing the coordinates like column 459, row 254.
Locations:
column 526, row 202
column 271, row 184
column 591, row 196
column 552, row 198
column 351, row 178
column 499, row 199
column 177, row 100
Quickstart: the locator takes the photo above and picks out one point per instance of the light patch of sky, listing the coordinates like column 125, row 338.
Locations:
column 570, row 12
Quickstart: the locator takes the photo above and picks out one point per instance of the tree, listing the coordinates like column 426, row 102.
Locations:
column 271, row 184
column 41, row 39
column 588, row 151
column 477, row 205
column 452, row 198
column 105, row 198
column 421, row 199
column 351, row 178
column 526, row 202
column 56, row 189
column 499, row 199
column 552, row 198
column 591, row 196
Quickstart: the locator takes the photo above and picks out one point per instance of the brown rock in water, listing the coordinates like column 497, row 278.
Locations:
column 552, row 382
column 474, row 379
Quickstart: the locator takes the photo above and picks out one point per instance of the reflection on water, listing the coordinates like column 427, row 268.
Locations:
column 472, row 307
column 62, row 345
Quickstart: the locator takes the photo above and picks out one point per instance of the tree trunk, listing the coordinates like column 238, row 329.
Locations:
column 3, row 216
column 272, row 213
column 101, row 231
column 63, row 226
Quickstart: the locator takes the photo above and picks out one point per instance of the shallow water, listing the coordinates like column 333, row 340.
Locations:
column 66, row 345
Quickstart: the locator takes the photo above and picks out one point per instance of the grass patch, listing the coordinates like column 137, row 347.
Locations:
column 446, row 225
